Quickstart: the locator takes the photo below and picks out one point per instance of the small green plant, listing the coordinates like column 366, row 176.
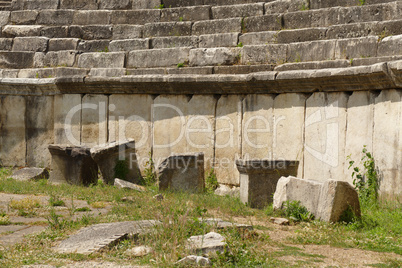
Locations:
column 211, row 182
column 351, row 61
column 83, row 209
column 180, row 18
column 383, row 34
column 298, row 57
column 243, row 25
column 4, row 219
column 240, row 44
column 149, row 172
column 56, row 222
column 304, row 6
column 121, row 169
column 161, row 6
column 365, row 180
column 106, row 49
column 37, row 75
column 362, row 2
column 55, row 201
column 180, row 65
column 294, row 210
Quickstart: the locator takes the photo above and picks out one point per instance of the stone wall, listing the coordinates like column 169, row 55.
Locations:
column 318, row 129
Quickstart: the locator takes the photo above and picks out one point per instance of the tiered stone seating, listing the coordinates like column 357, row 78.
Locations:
column 130, row 39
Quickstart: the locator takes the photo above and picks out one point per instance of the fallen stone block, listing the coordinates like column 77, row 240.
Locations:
column 223, row 190
column 279, row 221
column 100, row 236
column 27, row 174
column 72, row 164
column 139, row 251
column 258, row 179
column 117, row 159
column 221, row 224
column 128, row 185
column 208, row 243
column 327, row 201
column 182, row 173
column 194, row 260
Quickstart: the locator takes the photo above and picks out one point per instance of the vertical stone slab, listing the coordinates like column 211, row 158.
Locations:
column 288, row 128
column 387, row 146
column 130, row 118
column 228, row 138
column 200, row 127
column 12, row 131
column 257, row 131
column 325, row 133
column 169, row 126
column 94, row 120
column 39, row 130
column 359, row 130
column 67, row 119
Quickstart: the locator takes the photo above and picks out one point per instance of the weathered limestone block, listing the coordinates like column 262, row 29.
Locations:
column 128, row 45
column 208, row 243
column 122, row 184
column 73, row 165
column 57, row 44
column 90, row 32
column 64, row 58
column 325, row 134
column 174, row 41
column 216, row 26
column 67, row 119
column 257, row 126
column 79, row 4
column 283, row 6
column 55, row 31
column 6, row 43
column 117, row 160
column 21, row 30
column 145, row 4
column 24, row 17
column 16, row 60
column 389, row 46
column 262, row 23
column 167, row 29
column 55, row 17
column 185, row 14
column 94, row 119
column 93, row 46
column 114, row 4
column 219, row 40
column 356, row 48
column 214, row 56
column 91, row 17
column 312, row 51
column 383, row 12
column 326, row 200
column 258, row 179
column 258, row 38
column 107, row 72
column 182, row 173
column 395, row 68
column 272, row 54
column 228, row 138
column 135, row 17
column 193, row 260
column 313, row 65
column 27, row 174
column 35, row 44
column 157, row 57
column 130, row 118
column 317, row 4
column 301, row 35
column 223, row 190
column 353, row 30
column 101, row 60
column 387, row 146
column 311, row 18
column 34, row 4
column 39, row 130
column 12, row 127
column 359, row 129
column 182, row 3
column 233, row 11
column 288, row 128
column 127, row 31
column 4, row 17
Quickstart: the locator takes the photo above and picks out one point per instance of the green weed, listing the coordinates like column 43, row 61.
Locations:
column 211, row 182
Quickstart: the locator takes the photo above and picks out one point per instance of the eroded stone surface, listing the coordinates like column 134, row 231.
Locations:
column 128, row 185
column 26, row 174
column 208, row 243
column 221, row 224
column 194, row 260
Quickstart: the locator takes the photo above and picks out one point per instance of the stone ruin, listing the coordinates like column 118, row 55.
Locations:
column 307, row 81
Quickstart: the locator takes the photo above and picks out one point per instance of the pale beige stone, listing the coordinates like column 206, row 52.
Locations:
column 288, row 128
column 130, row 118
column 359, row 130
column 39, row 126
column 387, row 145
column 228, row 138
column 325, row 132
column 94, row 121
column 67, row 119
column 12, row 127
column 257, row 127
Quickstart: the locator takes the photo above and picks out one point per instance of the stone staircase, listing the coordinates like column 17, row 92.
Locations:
column 205, row 41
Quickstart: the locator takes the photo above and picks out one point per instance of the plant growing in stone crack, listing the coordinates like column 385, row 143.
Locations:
column 55, row 201
column 149, row 172
column 362, row 2
column 161, row 6
column 365, row 180
column 211, row 182
column 180, row 65
column 240, row 44
column 304, row 6
column 383, row 34
column 243, row 25
column 295, row 211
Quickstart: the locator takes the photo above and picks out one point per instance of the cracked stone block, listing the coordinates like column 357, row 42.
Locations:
column 208, row 243
column 27, row 174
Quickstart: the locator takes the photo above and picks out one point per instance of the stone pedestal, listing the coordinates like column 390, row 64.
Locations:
column 72, row 164
column 258, row 179
column 182, row 173
column 117, row 160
